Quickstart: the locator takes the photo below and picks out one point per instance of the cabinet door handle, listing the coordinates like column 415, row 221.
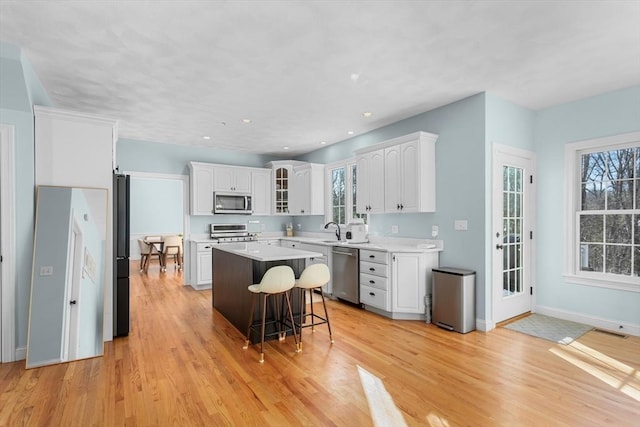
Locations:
column 372, row 294
column 372, row 256
column 401, row 206
column 398, row 206
column 372, row 281
column 372, row 269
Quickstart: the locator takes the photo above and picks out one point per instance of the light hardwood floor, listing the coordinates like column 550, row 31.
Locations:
column 183, row 365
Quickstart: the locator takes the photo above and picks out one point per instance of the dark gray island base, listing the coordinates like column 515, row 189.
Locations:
column 232, row 274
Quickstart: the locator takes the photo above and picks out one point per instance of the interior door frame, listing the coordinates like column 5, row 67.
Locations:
column 497, row 151
column 7, row 244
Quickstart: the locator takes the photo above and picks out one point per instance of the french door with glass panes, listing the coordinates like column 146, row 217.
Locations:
column 512, row 231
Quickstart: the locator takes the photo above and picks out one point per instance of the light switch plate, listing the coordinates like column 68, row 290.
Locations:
column 46, row 270
column 460, row 224
column 394, row 229
column 434, row 231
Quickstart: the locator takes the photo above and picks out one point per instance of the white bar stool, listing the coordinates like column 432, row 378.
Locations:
column 313, row 277
column 275, row 282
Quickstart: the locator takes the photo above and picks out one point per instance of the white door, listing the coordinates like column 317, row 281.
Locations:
column 513, row 210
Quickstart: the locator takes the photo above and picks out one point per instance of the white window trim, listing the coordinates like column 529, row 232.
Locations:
column 572, row 273
column 346, row 164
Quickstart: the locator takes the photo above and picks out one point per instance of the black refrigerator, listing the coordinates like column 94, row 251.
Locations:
column 120, row 255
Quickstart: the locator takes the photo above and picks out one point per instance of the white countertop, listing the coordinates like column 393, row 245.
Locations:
column 387, row 245
column 379, row 244
column 259, row 252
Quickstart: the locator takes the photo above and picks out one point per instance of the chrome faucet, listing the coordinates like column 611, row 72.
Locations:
column 326, row 226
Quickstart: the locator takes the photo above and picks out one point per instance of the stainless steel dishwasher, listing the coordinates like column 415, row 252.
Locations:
column 345, row 274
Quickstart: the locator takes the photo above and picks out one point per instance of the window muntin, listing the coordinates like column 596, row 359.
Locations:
column 341, row 197
column 338, row 195
column 608, row 211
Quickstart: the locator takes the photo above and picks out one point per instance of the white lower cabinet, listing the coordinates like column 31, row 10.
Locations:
column 201, row 265
column 395, row 284
column 374, row 282
column 411, row 282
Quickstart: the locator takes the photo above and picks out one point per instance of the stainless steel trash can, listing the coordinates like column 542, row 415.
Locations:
column 454, row 305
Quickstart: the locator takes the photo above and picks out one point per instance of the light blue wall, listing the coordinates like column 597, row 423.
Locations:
column 16, row 85
column 145, row 156
column 460, row 184
column 609, row 114
column 510, row 125
column 156, row 206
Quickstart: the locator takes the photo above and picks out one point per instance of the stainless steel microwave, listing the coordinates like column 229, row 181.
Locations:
column 231, row 203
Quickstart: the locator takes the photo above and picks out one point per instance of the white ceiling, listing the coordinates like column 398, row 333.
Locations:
column 174, row 71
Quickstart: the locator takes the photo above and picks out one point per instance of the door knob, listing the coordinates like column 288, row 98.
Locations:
column 72, row 302
column 499, row 246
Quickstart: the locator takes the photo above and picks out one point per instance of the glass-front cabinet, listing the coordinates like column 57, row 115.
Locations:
column 282, row 174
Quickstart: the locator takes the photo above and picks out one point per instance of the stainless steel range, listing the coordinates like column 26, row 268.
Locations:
column 231, row 233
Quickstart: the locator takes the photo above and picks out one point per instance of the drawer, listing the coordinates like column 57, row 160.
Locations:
column 374, row 268
column 373, row 256
column 204, row 247
column 373, row 281
column 373, row 297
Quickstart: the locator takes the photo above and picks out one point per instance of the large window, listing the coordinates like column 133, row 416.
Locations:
column 341, row 198
column 605, row 213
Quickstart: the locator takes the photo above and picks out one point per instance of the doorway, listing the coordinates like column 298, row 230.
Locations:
column 513, row 196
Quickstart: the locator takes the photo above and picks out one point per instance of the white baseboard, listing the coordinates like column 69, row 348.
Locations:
column 485, row 325
column 598, row 322
column 21, row 353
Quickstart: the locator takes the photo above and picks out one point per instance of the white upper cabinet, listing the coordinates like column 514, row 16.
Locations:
column 410, row 176
column 281, row 176
column 201, row 176
column 406, row 180
column 370, row 182
column 307, row 195
column 261, row 185
column 74, row 149
column 298, row 188
column 232, row 179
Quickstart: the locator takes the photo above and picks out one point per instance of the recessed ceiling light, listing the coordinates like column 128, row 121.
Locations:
column 246, row 121
column 285, row 148
column 350, row 132
column 207, row 137
column 323, row 142
column 367, row 114
column 355, row 76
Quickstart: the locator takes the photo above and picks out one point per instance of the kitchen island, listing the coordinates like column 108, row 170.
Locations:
column 238, row 265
